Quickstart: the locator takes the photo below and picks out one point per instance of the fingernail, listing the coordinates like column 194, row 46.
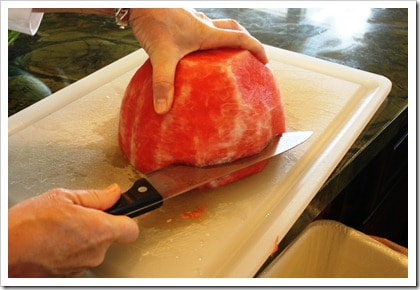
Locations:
column 160, row 105
column 112, row 187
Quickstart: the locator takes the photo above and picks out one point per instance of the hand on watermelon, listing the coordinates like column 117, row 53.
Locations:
column 168, row 35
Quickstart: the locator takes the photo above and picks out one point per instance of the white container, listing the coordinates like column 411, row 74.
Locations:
column 329, row 249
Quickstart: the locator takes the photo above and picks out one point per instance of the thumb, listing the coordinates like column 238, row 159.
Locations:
column 100, row 199
column 125, row 229
column 163, row 83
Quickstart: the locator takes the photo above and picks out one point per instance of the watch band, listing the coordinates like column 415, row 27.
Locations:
column 121, row 17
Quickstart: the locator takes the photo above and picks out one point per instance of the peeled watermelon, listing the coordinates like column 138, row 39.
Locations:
column 227, row 105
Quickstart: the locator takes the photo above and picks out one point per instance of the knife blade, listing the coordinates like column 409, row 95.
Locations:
column 149, row 192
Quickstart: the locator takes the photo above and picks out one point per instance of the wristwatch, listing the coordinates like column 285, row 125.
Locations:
column 121, row 17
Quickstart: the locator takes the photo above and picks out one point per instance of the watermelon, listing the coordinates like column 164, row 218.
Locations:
column 227, row 105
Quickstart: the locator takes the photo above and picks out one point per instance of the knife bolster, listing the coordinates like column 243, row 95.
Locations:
column 142, row 197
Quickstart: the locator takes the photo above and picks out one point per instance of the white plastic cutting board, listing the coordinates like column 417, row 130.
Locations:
column 70, row 140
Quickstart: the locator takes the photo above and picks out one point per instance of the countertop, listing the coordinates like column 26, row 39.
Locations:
column 375, row 41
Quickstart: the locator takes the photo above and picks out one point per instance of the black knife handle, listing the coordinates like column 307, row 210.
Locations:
column 142, row 197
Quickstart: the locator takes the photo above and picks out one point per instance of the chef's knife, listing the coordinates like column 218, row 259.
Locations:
column 148, row 193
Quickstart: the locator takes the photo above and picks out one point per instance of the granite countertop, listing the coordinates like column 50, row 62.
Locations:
column 68, row 47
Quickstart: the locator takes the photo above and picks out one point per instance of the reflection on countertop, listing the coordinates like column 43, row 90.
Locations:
column 70, row 46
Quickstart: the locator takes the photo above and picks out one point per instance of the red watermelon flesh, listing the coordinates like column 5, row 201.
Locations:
column 227, row 105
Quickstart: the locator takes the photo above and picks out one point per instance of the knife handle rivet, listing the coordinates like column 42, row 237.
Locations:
column 142, row 189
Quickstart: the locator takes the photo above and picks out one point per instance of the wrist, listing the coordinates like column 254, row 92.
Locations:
column 135, row 13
